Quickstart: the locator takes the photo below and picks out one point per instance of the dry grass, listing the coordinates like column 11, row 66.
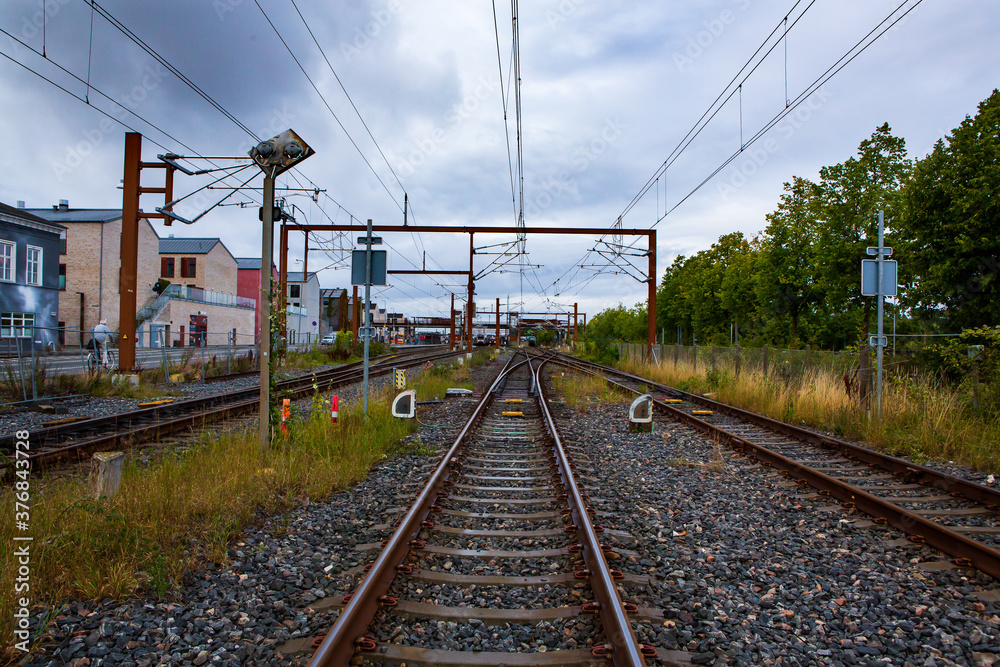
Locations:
column 185, row 508
column 582, row 391
column 921, row 418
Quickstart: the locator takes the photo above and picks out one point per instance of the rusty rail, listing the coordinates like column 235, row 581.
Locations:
column 617, row 628
column 339, row 645
column 964, row 550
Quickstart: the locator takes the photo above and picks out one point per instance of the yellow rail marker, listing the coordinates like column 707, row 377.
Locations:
column 513, row 400
column 513, row 414
column 672, row 400
column 152, row 403
column 701, row 412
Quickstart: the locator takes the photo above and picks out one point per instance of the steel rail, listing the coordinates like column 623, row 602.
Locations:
column 965, row 550
column 614, row 618
column 339, row 645
column 913, row 472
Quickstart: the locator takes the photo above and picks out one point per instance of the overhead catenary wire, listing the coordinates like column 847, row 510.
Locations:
column 789, row 106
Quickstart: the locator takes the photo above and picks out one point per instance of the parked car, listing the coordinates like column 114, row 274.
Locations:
column 328, row 339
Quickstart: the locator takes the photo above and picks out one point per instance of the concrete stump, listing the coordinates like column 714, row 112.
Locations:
column 106, row 473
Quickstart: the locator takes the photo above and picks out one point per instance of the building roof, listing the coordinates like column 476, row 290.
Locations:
column 64, row 215
column 248, row 263
column 175, row 246
column 18, row 216
column 296, row 277
column 333, row 292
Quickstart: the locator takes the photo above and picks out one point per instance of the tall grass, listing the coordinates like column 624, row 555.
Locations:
column 581, row 392
column 185, row 508
column 922, row 418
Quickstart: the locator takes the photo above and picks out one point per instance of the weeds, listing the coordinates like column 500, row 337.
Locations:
column 581, row 392
column 184, row 509
column 922, row 417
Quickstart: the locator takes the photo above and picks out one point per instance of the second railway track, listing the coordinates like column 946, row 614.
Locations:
column 956, row 516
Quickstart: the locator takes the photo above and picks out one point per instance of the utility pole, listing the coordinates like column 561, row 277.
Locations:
column 274, row 157
column 881, row 302
column 368, row 240
column 879, row 279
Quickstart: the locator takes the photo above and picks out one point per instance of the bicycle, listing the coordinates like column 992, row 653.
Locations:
column 94, row 365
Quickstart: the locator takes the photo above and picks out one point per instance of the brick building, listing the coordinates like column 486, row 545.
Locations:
column 90, row 267
column 248, row 282
column 199, row 302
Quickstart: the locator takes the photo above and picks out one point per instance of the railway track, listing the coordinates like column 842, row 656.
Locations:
column 503, row 533
column 958, row 517
column 81, row 438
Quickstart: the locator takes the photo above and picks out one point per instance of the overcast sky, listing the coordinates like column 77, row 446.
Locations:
column 608, row 91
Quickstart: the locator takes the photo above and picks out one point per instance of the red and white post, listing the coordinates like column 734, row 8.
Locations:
column 333, row 409
column 286, row 410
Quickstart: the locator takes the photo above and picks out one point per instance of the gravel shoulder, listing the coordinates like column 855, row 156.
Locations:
column 751, row 569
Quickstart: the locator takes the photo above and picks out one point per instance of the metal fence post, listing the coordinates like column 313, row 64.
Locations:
column 163, row 356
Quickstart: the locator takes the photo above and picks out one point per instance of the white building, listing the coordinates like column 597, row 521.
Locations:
column 303, row 292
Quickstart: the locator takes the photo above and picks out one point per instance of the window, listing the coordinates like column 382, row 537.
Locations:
column 33, row 270
column 16, row 325
column 293, row 291
column 188, row 267
column 62, row 276
column 166, row 267
column 62, row 242
column 7, row 254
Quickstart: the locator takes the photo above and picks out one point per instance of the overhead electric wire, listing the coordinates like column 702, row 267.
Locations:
column 327, row 104
column 163, row 61
column 790, row 105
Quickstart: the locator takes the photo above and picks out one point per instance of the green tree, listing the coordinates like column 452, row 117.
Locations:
column 951, row 219
column 852, row 194
column 786, row 271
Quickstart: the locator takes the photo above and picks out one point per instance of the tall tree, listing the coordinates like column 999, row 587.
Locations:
column 786, row 272
column 852, row 194
column 951, row 219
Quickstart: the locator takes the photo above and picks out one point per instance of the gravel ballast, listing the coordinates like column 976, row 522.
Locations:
column 747, row 568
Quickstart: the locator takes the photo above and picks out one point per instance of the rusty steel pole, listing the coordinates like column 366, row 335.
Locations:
column 451, row 331
column 497, row 341
column 129, row 252
column 283, row 278
column 471, row 306
column 576, row 318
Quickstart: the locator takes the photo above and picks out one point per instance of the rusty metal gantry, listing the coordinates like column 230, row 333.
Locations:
column 131, row 214
column 650, row 235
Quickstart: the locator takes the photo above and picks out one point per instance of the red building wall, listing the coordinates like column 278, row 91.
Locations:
column 248, row 285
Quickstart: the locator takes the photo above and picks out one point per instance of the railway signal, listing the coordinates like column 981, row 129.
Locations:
column 274, row 157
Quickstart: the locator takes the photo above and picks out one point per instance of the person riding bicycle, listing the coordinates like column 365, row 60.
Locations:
column 102, row 336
